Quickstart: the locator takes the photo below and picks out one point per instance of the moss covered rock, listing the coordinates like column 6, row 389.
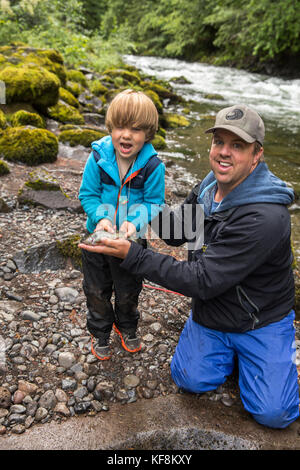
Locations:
column 2, row 120
column 21, row 55
column 74, row 88
column 24, row 118
column 155, row 98
column 83, row 137
column 175, row 120
column 4, row 170
column 126, row 75
column 42, row 180
column 68, row 97
column 76, row 76
column 97, row 88
column 69, row 249
column 65, row 113
column 30, row 84
column 159, row 142
column 29, row 146
column 161, row 91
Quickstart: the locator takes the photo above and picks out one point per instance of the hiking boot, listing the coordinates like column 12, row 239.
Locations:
column 129, row 340
column 101, row 349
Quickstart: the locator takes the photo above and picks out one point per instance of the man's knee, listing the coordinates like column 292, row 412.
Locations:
column 278, row 418
column 193, row 382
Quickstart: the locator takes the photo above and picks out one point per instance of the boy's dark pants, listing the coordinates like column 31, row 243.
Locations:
column 103, row 274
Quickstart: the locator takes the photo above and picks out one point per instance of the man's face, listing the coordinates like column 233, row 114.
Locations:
column 231, row 160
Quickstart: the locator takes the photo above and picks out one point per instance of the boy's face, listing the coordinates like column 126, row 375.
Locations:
column 128, row 141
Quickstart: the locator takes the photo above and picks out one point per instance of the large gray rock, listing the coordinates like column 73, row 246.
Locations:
column 49, row 199
column 40, row 258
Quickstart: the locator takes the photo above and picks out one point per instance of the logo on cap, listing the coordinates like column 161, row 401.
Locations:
column 235, row 114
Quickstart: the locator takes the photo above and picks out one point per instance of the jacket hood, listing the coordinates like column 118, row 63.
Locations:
column 261, row 186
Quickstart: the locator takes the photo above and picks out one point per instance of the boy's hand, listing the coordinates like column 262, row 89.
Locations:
column 105, row 224
column 118, row 248
column 128, row 228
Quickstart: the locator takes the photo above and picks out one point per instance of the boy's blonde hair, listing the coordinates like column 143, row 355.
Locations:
column 135, row 109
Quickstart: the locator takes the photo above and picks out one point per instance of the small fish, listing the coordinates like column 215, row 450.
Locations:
column 96, row 237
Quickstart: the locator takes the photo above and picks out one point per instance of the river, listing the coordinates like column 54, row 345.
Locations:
column 211, row 88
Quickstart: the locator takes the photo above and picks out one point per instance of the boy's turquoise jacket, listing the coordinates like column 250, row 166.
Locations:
column 101, row 184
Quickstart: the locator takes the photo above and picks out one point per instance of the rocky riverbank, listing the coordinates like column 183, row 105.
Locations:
column 47, row 369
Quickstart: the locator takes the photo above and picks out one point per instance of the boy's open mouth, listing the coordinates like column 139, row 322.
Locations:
column 125, row 147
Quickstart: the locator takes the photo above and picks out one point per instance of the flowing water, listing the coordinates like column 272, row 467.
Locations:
column 210, row 89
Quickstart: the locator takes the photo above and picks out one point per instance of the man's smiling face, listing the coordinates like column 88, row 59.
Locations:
column 232, row 160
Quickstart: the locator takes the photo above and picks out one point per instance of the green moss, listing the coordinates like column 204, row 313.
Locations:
column 42, row 180
column 4, row 170
column 155, row 98
column 162, row 132
column 213, row 96
column 97, row 88
column 29, row 146
column 74, row 88
column 160, row 90
column 24, row 118
column 2, row 120
column 30, row 84
column 68, row 97
column 126, row 75
column 76, row 76
column 159, row 142
column 80, row 137
column 69, row 249
column 50, row 59
column 175, row 120
column 65, row 113
column 42, row 59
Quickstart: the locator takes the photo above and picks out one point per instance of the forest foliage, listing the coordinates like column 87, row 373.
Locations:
column 243, row 33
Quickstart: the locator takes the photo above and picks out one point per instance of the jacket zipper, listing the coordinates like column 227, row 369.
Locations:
column 240, row 292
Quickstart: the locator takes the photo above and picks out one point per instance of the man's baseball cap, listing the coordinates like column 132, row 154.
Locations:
column 242, row 121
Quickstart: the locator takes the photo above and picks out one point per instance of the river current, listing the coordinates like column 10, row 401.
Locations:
column 208, row 89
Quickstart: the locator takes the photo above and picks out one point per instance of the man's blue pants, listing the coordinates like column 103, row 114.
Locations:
column 267, row 371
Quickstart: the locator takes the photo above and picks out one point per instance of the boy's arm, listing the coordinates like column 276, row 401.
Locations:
column 90, row 193
column 154, row 198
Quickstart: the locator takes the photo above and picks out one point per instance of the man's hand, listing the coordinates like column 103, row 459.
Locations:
column 105, row 224
column 128, row 228
column 118, row 248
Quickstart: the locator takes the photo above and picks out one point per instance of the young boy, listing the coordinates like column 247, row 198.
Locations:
column 122, row 188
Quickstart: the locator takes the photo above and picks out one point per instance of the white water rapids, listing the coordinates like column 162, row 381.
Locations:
column 276, row 99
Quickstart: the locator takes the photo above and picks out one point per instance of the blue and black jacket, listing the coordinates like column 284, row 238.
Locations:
column 242, row 277
column 101, row 191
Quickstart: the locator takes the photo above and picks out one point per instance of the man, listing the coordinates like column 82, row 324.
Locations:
column 240, row 281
